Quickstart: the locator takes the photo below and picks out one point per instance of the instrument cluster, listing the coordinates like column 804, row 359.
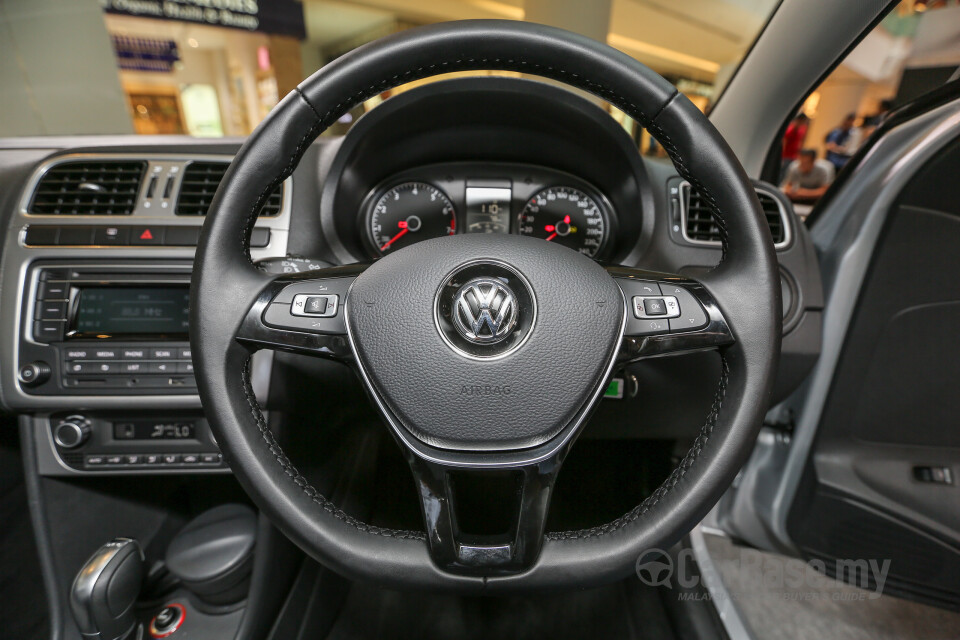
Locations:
column 446, row 199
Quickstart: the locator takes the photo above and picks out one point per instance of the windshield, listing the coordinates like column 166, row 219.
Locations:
column 216, row 67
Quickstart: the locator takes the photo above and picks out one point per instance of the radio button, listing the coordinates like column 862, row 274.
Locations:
column 260, row 238
column 75, row 354
column 54, row 274
column 51, row 310
column 133, row 354
column 48, row 330
column 52, row 291
column 162, row 354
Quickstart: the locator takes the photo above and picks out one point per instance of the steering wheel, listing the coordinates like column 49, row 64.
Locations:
column 507, row 341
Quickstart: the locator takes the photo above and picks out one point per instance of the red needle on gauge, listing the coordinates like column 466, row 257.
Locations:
column 552, row 230
column 403, row 229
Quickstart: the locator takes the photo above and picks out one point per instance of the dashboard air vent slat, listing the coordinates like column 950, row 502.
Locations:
column 771, row 208
column 199, row 184
column 89, row 187
column 701, row 226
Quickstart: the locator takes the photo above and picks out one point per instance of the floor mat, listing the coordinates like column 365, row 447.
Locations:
column 811, row 606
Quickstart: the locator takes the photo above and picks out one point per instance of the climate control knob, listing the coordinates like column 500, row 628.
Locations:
column 71, row 432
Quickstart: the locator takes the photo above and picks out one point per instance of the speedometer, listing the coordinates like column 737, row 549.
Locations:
column 408, row 213
column 566, row 216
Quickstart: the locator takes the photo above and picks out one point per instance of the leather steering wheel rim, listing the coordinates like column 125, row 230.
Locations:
column 746, row 285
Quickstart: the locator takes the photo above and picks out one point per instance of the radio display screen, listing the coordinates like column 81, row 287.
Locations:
column 131, row 311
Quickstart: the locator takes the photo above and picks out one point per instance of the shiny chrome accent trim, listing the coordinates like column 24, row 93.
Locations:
column 784, row 217
column 163, row 166
column 720, row 596
column 499, row 320
column 436, row 310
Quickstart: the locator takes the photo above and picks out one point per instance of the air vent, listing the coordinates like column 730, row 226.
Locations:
column 89, row 187
column 701, row 227
column 200, row 182
column 775, row 217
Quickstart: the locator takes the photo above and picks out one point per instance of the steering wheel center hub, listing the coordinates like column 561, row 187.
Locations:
column 471, row 364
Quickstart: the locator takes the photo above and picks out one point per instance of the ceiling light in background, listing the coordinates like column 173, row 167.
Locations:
column 624, row 42
column 193, row 42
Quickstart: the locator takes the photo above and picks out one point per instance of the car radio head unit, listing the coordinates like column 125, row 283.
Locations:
column 106, row 329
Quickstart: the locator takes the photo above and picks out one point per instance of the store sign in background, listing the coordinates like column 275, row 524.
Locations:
column 280, row 17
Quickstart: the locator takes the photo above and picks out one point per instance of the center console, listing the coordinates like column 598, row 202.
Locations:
column 95, row 292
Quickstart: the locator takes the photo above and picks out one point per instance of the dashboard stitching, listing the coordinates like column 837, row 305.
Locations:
column 687, row 463
column 302, row 482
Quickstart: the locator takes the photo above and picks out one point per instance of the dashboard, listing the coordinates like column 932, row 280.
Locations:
column 469, row 197
column 100, row 235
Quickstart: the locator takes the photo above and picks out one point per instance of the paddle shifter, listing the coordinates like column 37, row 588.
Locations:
column 104, row 592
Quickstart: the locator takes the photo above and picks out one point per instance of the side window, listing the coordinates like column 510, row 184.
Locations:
column 910, row 52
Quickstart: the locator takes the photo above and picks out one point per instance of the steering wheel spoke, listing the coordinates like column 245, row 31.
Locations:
column 302, row 313
column 511, row 515
column 667, row 315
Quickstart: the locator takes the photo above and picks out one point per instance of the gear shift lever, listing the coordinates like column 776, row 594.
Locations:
column 105, row 590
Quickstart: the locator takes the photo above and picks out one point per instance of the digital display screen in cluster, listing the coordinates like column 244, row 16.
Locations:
column 132, row 311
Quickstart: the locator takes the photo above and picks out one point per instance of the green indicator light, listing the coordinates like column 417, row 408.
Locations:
column 614, row 389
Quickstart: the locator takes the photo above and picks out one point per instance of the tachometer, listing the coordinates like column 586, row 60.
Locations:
column 566, row 216
column 408, row 213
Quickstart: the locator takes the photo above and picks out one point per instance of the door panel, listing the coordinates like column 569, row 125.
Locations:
column 883, row 477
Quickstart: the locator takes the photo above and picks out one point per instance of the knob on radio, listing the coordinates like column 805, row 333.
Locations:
column 71, row 432
column 34, row 374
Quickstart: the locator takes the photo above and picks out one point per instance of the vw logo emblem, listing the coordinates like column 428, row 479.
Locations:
column 484, row 311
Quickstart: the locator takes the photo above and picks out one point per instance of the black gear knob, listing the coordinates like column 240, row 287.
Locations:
column 105, row 591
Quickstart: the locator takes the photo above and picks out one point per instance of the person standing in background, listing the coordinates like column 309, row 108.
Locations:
column 838, row 142
column 793, row 141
